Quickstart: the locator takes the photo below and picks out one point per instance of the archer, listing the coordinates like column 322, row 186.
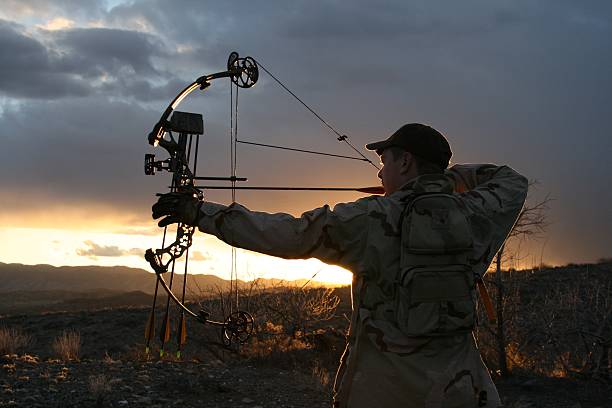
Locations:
column 416, row 254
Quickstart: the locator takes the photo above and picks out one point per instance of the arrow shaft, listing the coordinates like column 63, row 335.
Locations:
column 371, row 190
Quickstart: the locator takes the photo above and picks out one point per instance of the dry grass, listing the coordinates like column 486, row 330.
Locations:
column 321, row 376
column 99, row 386
column 558, row 322
column 68, row 345
column 13, row 340
column 284, row 316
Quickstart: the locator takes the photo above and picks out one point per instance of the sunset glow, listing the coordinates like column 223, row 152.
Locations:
column 83, row 83
column 60, row 247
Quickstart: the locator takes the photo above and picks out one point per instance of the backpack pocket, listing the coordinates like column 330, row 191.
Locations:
column 435, row 300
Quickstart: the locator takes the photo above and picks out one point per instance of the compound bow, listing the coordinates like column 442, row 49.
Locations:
column 238, row 326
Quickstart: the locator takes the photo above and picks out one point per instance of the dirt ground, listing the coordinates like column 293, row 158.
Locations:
column 27, row 382
column 113, row 371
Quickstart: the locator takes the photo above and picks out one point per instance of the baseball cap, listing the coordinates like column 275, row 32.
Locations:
column 421, row 140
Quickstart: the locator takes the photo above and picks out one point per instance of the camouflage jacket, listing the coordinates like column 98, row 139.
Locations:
column 381, row 366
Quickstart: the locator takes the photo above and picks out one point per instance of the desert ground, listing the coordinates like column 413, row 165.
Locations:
column 283, row 366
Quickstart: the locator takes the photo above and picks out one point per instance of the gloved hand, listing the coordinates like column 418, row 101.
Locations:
column 177, row 207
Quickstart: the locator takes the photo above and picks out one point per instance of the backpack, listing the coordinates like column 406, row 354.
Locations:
column 434, row 293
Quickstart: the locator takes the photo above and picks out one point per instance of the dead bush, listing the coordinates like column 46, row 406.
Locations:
column 68, row 345
column 321, row 376
column 99, row 386
column 13, row 340
column 558, row 322
column 297, row 311
column 276, row 309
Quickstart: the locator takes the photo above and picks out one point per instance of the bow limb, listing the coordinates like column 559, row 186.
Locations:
column 238, row 326
column 243, row 72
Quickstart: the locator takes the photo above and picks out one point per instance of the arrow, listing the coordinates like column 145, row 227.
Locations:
column 367, row 190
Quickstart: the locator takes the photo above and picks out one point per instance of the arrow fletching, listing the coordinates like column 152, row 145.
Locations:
column 150, row 327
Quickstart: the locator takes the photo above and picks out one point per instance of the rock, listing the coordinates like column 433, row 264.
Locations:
column 523, row 402
column 247, row 400
column 529, row 384
column 123, row 403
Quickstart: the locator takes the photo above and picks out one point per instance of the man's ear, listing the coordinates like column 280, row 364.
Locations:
column 407, row 162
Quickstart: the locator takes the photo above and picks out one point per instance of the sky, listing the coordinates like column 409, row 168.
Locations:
column 82, row 83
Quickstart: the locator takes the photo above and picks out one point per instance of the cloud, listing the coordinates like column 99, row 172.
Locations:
column 77, row 150
column 93, row 250
column 199, row 256
column 78, row 62
column 47, row 10
column 28, row 68
column 98, row 52
column 58, row 23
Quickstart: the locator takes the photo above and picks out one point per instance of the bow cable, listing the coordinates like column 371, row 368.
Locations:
column 181, row 332
column 340, row 137
column 293, row 149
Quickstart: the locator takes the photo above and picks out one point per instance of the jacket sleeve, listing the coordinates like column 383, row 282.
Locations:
column 335, row 236
column 494, row 196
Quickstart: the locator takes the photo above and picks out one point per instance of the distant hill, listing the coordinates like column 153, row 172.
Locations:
column 118, row 279
column 29, row 288
column 20, row 278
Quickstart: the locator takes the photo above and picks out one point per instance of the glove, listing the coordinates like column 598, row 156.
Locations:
column 177, row 207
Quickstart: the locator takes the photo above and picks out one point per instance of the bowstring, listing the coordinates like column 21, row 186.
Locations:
column 233, row 166
column 235, row 142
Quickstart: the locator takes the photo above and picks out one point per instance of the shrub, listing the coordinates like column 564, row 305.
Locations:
column 68, row 345
column 99, row 386
column 13, row 340
column 557, row 322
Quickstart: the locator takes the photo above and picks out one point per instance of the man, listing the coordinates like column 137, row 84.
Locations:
column 415, row 254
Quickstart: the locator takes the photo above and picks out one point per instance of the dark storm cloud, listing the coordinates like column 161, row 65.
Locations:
column 80, row 62
column 20, row 9
column 399, row 19
column 29, row 69
column 95, row 52
column 78, row 151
